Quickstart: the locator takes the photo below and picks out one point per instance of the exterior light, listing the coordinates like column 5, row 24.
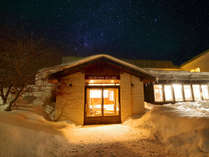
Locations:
column 91, row 81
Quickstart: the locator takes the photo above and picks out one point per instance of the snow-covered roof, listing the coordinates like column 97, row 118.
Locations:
column 195, row 57
column 179, row 75
column 142, row 63
column 52, row 70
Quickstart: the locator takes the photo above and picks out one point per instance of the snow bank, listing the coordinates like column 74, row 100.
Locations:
column 3, row 107
column 184, row 127
column 192, row 109
column 25, row 134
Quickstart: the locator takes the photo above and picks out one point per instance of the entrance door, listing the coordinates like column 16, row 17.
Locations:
column 102, row 105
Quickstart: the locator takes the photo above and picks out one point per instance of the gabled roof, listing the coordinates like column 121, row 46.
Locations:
column 194, row 58
column 138, row 62
column 52, row 71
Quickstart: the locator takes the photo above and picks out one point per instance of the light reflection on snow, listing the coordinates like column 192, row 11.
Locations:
column 193, row 109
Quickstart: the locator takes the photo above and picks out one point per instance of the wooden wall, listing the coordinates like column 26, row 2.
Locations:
column 70, row 98
column 131, row 96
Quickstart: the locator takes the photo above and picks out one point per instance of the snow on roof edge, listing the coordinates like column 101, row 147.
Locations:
column 56, row 68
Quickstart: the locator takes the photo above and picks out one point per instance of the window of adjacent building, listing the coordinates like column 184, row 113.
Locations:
column 168, row 93
column 158, row 93
column 195, row 70
column 205, row 93
column 178, row 92
column 196, row 92
column 188, row 92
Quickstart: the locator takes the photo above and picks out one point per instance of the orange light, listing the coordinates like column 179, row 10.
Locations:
column 91, row 81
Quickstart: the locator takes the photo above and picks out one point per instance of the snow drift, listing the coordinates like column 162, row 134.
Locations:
column 183, row 127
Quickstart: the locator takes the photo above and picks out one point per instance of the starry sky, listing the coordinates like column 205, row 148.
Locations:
column 174, row 30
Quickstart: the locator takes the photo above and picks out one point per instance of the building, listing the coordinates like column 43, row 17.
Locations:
column 98, row 89
column 105, row 89
column 199, row 63
column 177, row 86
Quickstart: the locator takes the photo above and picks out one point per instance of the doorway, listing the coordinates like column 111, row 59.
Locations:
column 102, row 105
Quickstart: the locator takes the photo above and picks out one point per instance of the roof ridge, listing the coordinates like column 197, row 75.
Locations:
column 195, row 57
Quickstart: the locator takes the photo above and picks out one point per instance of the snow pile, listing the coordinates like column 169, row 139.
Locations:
column 192, row 109
column 183, row 127
column 25, row 134
column 3, row 107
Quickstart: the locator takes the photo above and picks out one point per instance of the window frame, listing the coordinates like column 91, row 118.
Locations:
column 192, row 95
column 183, row 92
column 163, row 99
column 202, row 91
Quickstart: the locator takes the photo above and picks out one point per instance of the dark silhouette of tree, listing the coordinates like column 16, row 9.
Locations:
column 20, row 59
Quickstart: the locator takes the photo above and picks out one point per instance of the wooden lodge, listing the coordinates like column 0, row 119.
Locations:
column 104, row 89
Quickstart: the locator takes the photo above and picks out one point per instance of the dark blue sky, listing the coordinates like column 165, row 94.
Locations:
column 145, row 29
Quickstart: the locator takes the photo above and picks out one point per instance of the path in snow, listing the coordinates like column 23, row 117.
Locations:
column 25, row 134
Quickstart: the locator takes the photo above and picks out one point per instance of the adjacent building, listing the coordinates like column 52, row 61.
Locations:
column 199, row 63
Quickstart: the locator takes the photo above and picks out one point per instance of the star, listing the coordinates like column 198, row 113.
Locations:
column 156, row 20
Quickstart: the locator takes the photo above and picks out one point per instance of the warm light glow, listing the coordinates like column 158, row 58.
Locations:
column 102, row 105
column 105, row 93
column 205, row 93
column 95, row 106
column 158, row 93
column 96, row 93
column 196, row 91
column 103, row 84
column 91, row 81
column 178, row 92
column 168, row 93
column 110, row 107
column 195, row 70
column 188, row 93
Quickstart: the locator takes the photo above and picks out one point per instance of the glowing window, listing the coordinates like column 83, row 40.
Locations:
column 196, row 91
column 195, row 70
column 188, row 93
column 95, row 93
column 168, row 93
column 158, row 93
column 205, row 93
column 178, row 92
column 105, row 93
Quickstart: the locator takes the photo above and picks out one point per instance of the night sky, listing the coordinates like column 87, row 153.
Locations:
column 138, row 29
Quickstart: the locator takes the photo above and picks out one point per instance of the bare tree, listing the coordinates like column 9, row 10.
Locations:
column 20, row 59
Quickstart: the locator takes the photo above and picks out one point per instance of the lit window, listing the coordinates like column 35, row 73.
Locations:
column 195, row 70
column 188, row 93
column 196, row 91
column 158, row 92
column 105, row 93
column 205, row 93
column 95, row 93
column 168, row 93
column 178, row 92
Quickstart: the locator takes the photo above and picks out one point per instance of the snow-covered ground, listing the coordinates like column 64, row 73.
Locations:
column 173, row 130
column 23, row 134
column 183, row 127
